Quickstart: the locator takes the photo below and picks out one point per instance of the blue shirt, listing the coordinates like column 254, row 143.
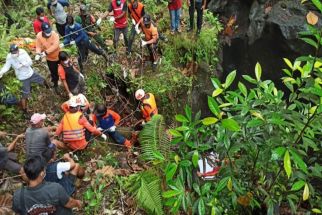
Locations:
column 79, row 36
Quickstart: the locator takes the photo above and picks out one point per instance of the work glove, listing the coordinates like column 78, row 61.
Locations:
column 104, row 137
column 133, row 21
column 72, row 42
column 82, row 76
column 100, row 129
column 98, row 22
column 112, row 129
column 137, row 28
column 61, row 45
column 42, row 54
column 70, row 95
column 144, row 43
column 37, row 57
column 112, row 19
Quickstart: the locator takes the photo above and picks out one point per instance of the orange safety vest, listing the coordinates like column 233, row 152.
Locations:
column 149, row 107
column 150, row 32
column 136, row 13
column 72, row 130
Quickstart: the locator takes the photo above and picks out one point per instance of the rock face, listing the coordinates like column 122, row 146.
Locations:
column 265, row 32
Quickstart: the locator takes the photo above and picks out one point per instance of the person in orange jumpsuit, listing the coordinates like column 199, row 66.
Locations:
column 148, row 104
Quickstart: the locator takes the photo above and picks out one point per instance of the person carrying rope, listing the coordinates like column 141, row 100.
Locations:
column 72, row 127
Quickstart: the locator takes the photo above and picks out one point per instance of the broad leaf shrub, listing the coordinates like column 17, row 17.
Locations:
column 269, row 142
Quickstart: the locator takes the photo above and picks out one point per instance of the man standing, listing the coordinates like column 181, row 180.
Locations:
column 47, row 45
column 175, row 10
column 90, row 25
column 72, row 128
column 75, row 34
column 72, row 79
column 40, row 19
column 41, row 197
column 20, row 61
column 151, row 39
column 148, row 105
column 118, row 9
column 136, row 10
column 56, row 9
column 200, row 6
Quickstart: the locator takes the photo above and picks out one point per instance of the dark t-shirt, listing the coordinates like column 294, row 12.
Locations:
column 3, row 156
column 46, row 198
column 37, row 140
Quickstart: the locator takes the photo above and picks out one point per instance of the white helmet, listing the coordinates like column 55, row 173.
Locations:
column 139, row 94
column 72, row 102
column 81, row 100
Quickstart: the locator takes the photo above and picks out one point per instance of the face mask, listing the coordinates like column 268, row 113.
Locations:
column 135, row 5
column 15, row 55
column 41, row 18
column 118, row 3
column 72, row 26
column 48, row 35
column 66, row 62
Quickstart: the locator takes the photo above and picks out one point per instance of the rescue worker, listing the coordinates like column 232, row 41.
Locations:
column 199, row 6
column 151, row 39
column 40, row 19
column 47, row 45
column 57, row 10
column 89, row 23
column 72, row 79
column 76, row 35
column 107, row 120
column 118, row 9
column 72, row 128
column 148, row 105
column 136, row 11
column 21, row 62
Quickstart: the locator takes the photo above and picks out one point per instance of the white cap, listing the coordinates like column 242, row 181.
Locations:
column 139, row 94
column 37, row 117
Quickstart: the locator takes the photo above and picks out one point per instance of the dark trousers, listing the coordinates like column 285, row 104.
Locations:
column 83, row 48
column 61, row 29
column 131, row 38
column 117, row 33
column 116, row 136
column 53, row 68
column 153, row 51
column 195, row 6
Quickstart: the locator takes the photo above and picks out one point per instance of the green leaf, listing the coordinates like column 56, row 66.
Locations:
column 306, row 192
column 298, row 185
column 222, row 184
column 299, row 162
column 171, row 193
column 288, row 63
column 170, row 171
column 93, row 203
column 258, row 71
column 230, row 184
column 205, row 188
column 317, row 211
column 216, row 83
column 230, row 78
column 209, row 120
column 213, row 106
column 195, row 158
column 310, row 42
column 201, row 207
column 196, row 188
column 287, row 164
column 230, row 124
column 254, row 123
column 217, row 92
column 242, row 88
column 278, row 152
column 175, row 133
column 181, row 118
column 249, row 79
column 318, row 4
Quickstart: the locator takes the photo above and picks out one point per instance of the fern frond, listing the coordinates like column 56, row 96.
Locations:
column 145, row 186
column 154, row 140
